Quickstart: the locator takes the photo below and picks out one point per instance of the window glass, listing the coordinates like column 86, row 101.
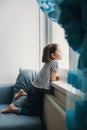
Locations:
column 57, row 35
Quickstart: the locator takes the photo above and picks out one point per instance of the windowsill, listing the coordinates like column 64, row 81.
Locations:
column 65, row 87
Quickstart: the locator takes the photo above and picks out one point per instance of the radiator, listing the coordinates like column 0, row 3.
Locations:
column 54, row 113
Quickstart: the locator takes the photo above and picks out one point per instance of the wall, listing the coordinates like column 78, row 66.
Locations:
column 19, row 37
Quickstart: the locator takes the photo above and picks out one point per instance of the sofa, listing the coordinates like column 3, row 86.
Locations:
column 11, row 121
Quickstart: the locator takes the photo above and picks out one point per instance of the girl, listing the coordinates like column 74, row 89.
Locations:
column 41, row 84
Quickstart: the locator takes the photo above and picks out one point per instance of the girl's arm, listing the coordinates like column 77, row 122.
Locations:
column 54, row 76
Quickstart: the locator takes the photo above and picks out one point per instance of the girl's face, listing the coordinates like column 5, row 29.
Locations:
column 58, row 54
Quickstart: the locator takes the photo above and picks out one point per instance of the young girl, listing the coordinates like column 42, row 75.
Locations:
column 41, row 84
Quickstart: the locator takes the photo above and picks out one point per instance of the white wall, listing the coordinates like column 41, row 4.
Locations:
column 19, row 37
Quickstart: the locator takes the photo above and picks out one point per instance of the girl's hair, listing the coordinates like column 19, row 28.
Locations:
column 47, row 51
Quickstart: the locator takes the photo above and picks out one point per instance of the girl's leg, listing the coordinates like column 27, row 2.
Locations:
column 21, row 92
column 10, row 108
column 25, row 111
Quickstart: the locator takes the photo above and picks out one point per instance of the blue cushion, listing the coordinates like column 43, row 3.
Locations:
column 6, row 93
column 12, row 121
column 24, row 79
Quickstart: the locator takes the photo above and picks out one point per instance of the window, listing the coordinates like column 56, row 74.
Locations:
column 57, row 35
column 52, row 32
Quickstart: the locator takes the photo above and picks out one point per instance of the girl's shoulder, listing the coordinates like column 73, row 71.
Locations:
column 53, row 62
column 54, row 65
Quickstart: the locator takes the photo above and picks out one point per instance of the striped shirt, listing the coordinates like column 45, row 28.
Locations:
column 43, row 78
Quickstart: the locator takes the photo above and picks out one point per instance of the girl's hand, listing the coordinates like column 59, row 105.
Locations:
column 57, row 78
column 54, row 76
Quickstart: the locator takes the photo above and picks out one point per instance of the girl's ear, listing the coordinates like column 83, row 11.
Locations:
column 53, row 56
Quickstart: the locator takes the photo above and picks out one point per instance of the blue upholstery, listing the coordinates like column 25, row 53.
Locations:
column 18, row 122
column 24, row 79
column 12, row 121
column 6, row 93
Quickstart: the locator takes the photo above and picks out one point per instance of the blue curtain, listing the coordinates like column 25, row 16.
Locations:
column 49, row 8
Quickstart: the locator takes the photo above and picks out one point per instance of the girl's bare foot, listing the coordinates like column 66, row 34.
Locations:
column 10, row 108
column 20, row 93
